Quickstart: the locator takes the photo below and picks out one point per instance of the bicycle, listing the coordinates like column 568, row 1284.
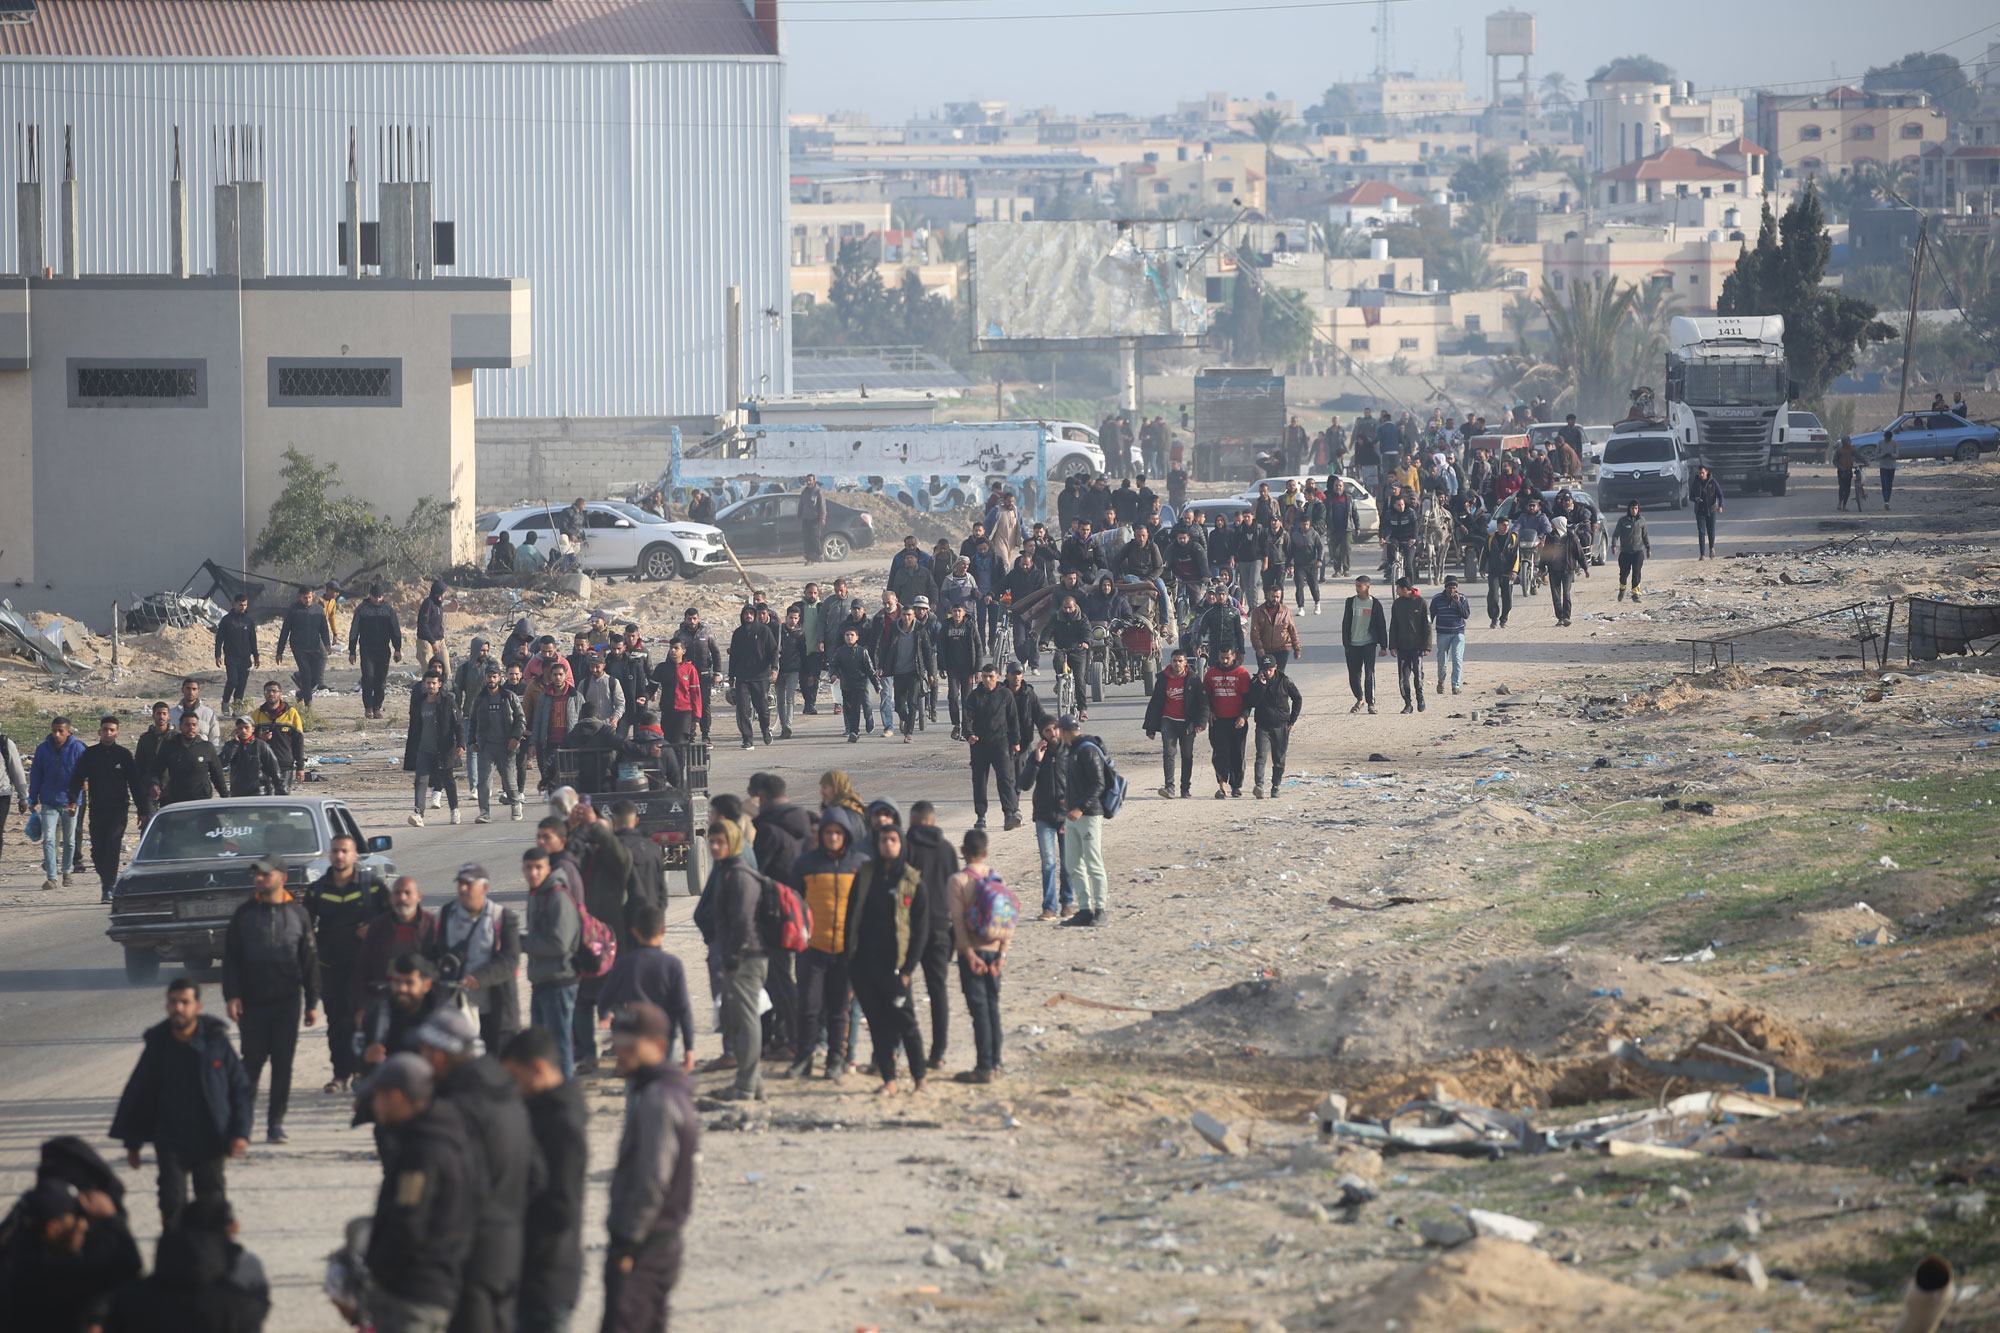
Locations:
column 1065, row 687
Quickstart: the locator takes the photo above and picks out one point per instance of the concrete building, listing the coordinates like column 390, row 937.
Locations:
column 1629, row 115
column 628, row 157
column 1214, row 179
column 1372, row 204
column 1841, row 129
column 1692, row 269
column 144, row 420
column 1219, row 113
column 1685, row 188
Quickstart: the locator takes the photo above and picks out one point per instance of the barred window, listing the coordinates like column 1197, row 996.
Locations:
column 343, row 382
column 107, row 382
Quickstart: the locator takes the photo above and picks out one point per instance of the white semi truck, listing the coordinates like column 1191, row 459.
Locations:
column 1728, row 392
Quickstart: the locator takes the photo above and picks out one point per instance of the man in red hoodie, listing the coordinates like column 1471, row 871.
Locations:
column 1227, row 685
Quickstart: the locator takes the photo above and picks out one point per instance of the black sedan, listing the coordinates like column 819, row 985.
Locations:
column 768, row 524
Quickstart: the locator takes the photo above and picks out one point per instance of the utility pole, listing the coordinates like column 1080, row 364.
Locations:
column 1910, row 329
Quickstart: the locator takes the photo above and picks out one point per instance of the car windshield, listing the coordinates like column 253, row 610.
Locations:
column 222, row 833
column 487, row 523
column 1735, row 384
column 633, row 512
column 1645, row 449
column 731, row 509
column 1804, row 421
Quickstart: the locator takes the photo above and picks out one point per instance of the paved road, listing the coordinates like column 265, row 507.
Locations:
column 69, row 1020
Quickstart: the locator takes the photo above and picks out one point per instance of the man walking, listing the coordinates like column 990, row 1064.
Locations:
column 1227, row 685
column 1629, row 539
column 186, row 766
column 341, row 904
column 1503, row 558
column 1274, row 705
column 1562, row 556
column 1364, row 633
column 1887, row 454
column 190, row 702
column 374, row 635
column 50, row 778
column 281, row 727
column 112, row 775
column 555, row 928
column 1273, row 632
column 252, row 765
column 427, row 1212
column 1706, row 492
column 1410, row 639
column 497, row 727
column 430, row 626
column 1086, row 777
column 1042, row 771
column 1450, row 613
column 812, row 520
column 552, row 1236
column 236, row 649
column 270, row 978
column 1177, row 711
column 304, row 631
column 733, row 903
column 652, row 1185
column 478, row 946
column 189, row 1097
column 991, row 728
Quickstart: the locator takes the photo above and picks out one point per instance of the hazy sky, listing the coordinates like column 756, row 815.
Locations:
column 901, row 68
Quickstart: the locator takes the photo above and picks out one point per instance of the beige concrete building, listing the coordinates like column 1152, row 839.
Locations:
column 1692, row 269
column 1628, row 115
column 1834, row 132
column 144, row 420
column 1195, row 180
column 1686, row 188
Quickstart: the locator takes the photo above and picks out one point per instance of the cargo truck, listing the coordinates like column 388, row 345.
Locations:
column 1728, row 395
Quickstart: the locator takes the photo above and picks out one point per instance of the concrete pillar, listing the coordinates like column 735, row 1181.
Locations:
column 228, row 246
column 398, row 254
column 67, row 193
column 28, row 212
column 732, row 353
column 177, row 228
column 252, row 262
column 350, row 193
column 422, row 237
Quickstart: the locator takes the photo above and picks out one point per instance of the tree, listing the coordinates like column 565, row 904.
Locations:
column 1930, row 72
column 1246, row 312
column 1286, row 327
column 1653, row 70
column 1335, row 109
column 1483, row 218
column 1824, row 330
column 1642, row 342
column 1267, row 124
column 1557, row 90
column 1543, row 159
column 857, row 295
column 1466, row 267
column 312, row 532
column 1482, row 179
column 1584, row 326
column 1337, row 240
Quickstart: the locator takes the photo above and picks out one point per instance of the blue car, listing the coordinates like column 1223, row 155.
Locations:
column 1932, row 434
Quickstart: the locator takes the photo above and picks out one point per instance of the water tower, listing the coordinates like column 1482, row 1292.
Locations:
column 1510, row 34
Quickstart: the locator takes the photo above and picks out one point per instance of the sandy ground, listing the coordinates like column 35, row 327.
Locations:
column 1259, row 958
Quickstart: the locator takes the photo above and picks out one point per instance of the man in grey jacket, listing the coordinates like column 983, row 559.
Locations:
column 652, row 1185
column 494, row 726
column 554, row 930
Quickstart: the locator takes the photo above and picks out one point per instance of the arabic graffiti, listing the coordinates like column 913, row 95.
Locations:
column 934, row 493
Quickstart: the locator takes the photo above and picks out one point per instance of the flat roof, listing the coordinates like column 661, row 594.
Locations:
column 181, row 29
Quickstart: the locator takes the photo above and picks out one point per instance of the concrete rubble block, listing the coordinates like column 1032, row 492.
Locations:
column 1446, row 1232
column 1751, row 1269
column 939, row 1255
column 1332, row 1109
column 1310, row 1209
column 1220, row 1137
column 1354, row 1191
column 1503, row 1225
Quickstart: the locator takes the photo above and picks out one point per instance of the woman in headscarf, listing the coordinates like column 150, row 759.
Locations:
column 836, row 792
column 887, row 927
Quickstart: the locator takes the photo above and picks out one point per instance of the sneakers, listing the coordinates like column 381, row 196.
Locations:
column 799, row 1068
column 973, row 1076
column 748, row 746
column 1503, row 622
column 1186, row 794
column 1048, row 916
column 1257, row 792
column 65, row 882
column 1315, row 608
column 1621, row 592
column 1356, row 708
column 955, row 734
column 277, row 1135
column 416, row 821
column 1371, row 709
column 1221, row 793
column 1167, row 792
column 484, row 818
column 853, row 738
column 49, row 884
column 784, row 734
column 437, row 800
column 1420, row 705
column 1493, row 622
column 1012, row 822
column 980, row 823
column 454, row 814
column 1086, row 917
column 1454, row 689
column 1236, row 792
column 1408, row 709
column 517, row 810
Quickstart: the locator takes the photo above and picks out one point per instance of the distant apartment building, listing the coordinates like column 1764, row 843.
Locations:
column 1834, row 132
column 1392, row 102
column 1216, row 178
column 1686, row 188
column 1645, row 257
column 1373, row 204
column 1219, row 113
column 1629, row 115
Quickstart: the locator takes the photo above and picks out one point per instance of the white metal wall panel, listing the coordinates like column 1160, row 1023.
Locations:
column 630, row 193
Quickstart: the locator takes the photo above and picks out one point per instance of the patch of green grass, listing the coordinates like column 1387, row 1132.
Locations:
column 1970, row 1246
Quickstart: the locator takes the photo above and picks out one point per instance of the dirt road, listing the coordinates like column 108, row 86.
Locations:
column 1524, row 814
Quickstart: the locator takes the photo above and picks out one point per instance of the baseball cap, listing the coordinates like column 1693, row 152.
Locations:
column 1405, row 583
column 921, row 602
column 471, row 870
column 51, row 1200
column 243, row 719
column 640, row 1019
column 1263, row 662
column 1451, row 580
column 1068, row 722
column 1014, row 669
column 492, row 668
column 405, row 1072
column 447, row 1030
column 272, row 864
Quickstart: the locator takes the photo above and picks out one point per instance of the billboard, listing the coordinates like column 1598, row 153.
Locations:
column 1053, row 286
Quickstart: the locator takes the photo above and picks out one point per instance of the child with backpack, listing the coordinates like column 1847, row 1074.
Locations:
column 983, row 913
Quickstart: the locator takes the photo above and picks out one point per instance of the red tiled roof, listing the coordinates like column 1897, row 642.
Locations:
column 1741, row 147
column 1674, row 164
column 1371, row 194
column 334, row 28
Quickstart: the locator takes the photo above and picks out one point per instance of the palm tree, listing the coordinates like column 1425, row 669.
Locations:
column 1544, row 159
column 1579, row 183
column 1337, row 240
column 1557, row 90
column 1466, row 266
column 1482, row 218
column 1266, row 125
column 1643, row 341
column 1518, row 315
column 1584, row 324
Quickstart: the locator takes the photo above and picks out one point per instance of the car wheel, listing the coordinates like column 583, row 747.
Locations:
column 659, row 562
column 1076, row 465
column 835, row 546
column 1966, row 452
column 141, row 965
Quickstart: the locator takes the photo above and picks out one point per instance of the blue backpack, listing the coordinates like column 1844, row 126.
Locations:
column 1113, row 799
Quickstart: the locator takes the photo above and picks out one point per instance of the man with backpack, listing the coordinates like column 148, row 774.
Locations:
column 936, row 862
column 555, row 929
column 983, row 913
column 1273, row 703
column 1087, row 787
column 495, row 726
column 605, row 868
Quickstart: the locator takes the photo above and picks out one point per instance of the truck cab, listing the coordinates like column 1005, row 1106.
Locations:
column 1729, row 397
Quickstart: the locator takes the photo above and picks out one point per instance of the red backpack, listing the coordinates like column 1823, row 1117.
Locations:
column 783, row 919
column 596, row 943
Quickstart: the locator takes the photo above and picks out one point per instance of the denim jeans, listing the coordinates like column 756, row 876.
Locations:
column 788, row 684
column 1451, row 648
column 1055, row 880
column 982, row 1001
column 58, row 841
column 489, row 760
column 1083, row 858
column 554, row 1008
column 888, row 693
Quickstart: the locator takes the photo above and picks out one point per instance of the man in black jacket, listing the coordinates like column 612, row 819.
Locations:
column 958, row 651
column 373, row 636
column 552, row 1237
column 1042, row 765
column 783, row 831
column 1274, row 704
column 652, row 1184
column 189, row 1097
column 340, row 904
column 112, row 775
column 1176, row 714
column 993, row 733
column 252, row 765
column 478, row 949
column 427, row 1213
column 647, row 882
column 936, row 861
column 1364, row 633
column 753, row 668
column 186, row 767
column 236, row 648
column 605, row 869
column 1082, row 783
column 270, row 975
column 304, row 630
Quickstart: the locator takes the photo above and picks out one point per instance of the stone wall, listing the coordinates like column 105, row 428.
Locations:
column 558, row 459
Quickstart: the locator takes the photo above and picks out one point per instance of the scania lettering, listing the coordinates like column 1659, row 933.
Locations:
column 1727, row 397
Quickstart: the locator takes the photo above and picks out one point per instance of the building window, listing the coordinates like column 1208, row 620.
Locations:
column 1912, row 130
column 1728, row 187
column 1407, row 344
column 1357, row 344
column 1227, row 186
column 137, row 382
column 1809, row 133
column 1680, row 190
column 1662, row 281
column 1558, row 280
column 1862, row 132
column 1810, row 165
column 1472, row 324
column 337, row 382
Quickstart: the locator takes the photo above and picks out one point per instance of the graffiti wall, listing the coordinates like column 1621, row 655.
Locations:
column 928, row 494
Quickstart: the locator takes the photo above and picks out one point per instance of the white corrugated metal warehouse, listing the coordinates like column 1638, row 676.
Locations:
column 627, row 157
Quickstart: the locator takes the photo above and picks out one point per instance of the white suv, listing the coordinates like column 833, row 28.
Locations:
column 1647, row 466
column 618, row 538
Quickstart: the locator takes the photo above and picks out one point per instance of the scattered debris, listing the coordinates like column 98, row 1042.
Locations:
column 1503, row 1226
column 1219, row 1136
column 1691, row 807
